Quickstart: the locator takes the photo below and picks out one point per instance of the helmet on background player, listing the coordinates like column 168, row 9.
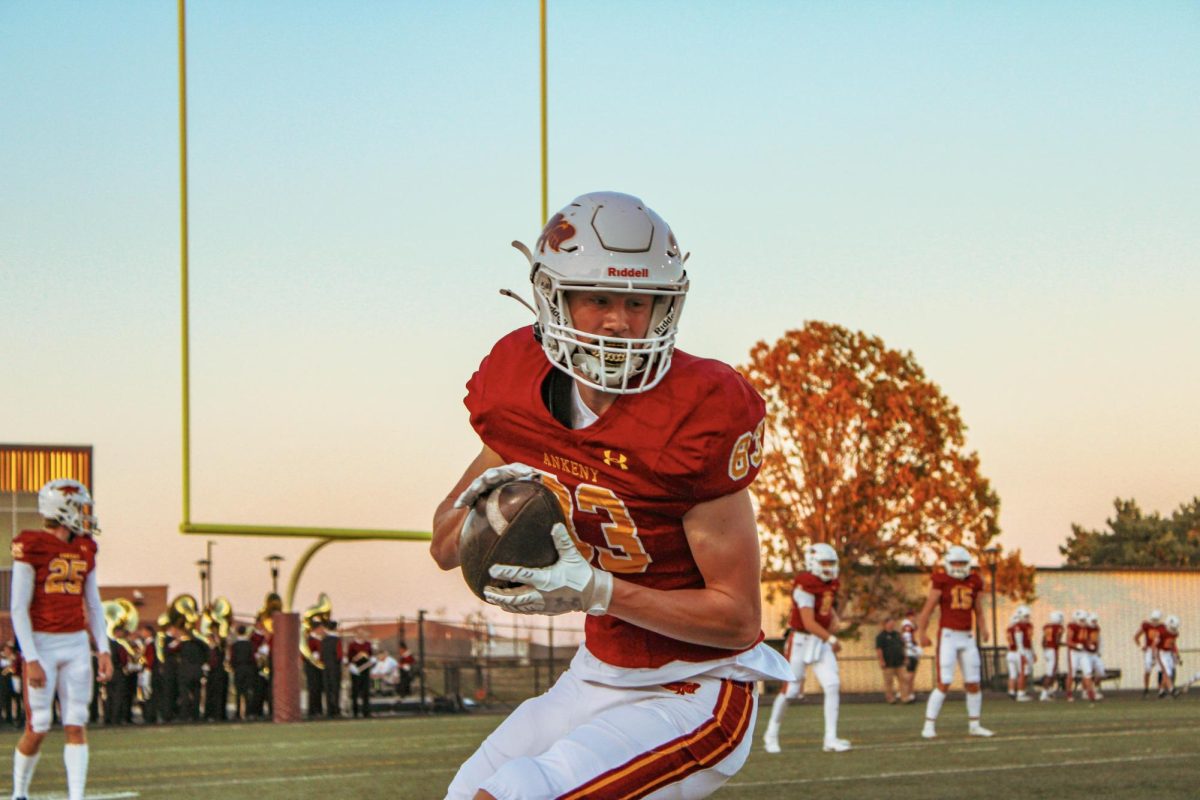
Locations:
column 821, row 560
column 958, row 562
column 1093, row 619
column 1056, row 618
column 1172, row 624
column 610, row 242
column 1014, row 618
column 1155, row 616
column 1024, row 613
column 68, row 503
column 1079, row 616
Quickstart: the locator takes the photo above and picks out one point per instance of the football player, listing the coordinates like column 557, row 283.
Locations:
column 811, row 640
column 1078, row 658
column 1168, row 656
column 55, row 602
column 1052, row 637
column 1093, row 648
column 1147, row 638
column 912, row 659
column 650, row 451
column 1018, row 636
column 957, row 594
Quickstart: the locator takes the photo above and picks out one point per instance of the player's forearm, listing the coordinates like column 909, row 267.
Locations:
column 699, row 616
column 447, row 525
column 21, row 597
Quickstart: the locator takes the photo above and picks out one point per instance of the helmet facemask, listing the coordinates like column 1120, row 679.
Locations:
column 609, row 364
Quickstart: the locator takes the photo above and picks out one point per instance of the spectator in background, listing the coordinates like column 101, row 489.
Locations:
column 408, row 668
column 361, row 658
column 216, row 682
column 314, row 671
column 241, row 659
column 331, row 657
column 10, row 681
column 386, row 672
column 889, row 649
column 912, row 659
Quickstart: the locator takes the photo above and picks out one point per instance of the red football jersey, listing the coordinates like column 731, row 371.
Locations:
column 1051, row 637
column 1091, row 639
column 1167, row 643
column 1151, row 634
column 60, row 571
column 824, row 600
column 1076, row 635
column 957, row 601
column 626, row 481
column 1012, row 632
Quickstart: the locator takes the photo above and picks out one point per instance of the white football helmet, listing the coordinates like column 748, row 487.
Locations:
column 1079, row 616
column 1014, row 618
column 958, row 562
column 821, row 560
column 1172, row 624
column 1156, row 616
column 1056, row 618
column 68, row 503
column 1093, row 619
column 609, row 242
column 1024, row 613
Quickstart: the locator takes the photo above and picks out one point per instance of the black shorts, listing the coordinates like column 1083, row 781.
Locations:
column 910, row 664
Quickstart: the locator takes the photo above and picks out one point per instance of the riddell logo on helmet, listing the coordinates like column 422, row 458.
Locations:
column 628, row 272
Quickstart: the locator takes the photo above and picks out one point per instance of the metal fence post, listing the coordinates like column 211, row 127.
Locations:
column 421, row 654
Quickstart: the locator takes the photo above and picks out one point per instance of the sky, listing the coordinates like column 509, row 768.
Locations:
column 1009, row 191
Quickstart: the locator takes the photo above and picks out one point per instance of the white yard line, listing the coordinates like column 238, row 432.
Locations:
column 960, row 770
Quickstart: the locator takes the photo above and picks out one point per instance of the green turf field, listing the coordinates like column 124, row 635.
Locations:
column 1122, row 747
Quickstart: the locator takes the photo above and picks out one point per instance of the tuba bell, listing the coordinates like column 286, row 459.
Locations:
column 217, row 619
column 182, row 615
column 320, row 613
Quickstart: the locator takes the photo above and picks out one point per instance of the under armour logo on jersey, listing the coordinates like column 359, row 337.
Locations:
column 682, row 687
column 620, row 459
column 557, row 231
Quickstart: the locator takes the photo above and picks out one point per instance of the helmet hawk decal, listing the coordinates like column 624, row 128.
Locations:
column 557, row 231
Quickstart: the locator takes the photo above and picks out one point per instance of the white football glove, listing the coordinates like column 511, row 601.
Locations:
column 492, row 478
column 569, row 584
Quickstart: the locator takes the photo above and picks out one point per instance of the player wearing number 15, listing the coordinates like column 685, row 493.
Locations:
column 957, row 593
column 53, row 583
column 649, row 451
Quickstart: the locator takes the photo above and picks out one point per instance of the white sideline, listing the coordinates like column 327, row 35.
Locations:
column 959, row 770
column 88, row 796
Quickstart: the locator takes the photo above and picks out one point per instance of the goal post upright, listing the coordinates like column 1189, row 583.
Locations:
column 323, row 535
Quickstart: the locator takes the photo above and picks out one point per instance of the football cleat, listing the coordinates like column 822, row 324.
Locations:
column 929, row 732
column 978, row 730
column 771, row 743
column 1023, row 698
column 836, row 745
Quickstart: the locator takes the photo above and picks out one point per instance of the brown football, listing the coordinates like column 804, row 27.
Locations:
column 508, row 525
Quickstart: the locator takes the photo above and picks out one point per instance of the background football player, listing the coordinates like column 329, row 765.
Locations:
column 1147, row 638
column 811, row 640
column 650, row 451
column 1168, row 656
column 1078, row 659
column 958, row 596
column 53, row 580
column 1093, row 647
column 1052, row 637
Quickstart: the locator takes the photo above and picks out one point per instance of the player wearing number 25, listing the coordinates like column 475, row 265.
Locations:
column 53, row 581
column 650, row 452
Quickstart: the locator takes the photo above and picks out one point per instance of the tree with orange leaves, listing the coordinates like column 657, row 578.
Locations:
column 864, row 452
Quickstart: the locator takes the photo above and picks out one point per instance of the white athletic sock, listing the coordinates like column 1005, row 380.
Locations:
column 75, row 757
column 974, row 706
column 23, row 767
column 777, row 709
column 832, row 701
column 934, row 706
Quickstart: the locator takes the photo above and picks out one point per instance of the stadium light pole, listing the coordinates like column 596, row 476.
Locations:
column 992, row 555
column 203, row 565
column 274, row 560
